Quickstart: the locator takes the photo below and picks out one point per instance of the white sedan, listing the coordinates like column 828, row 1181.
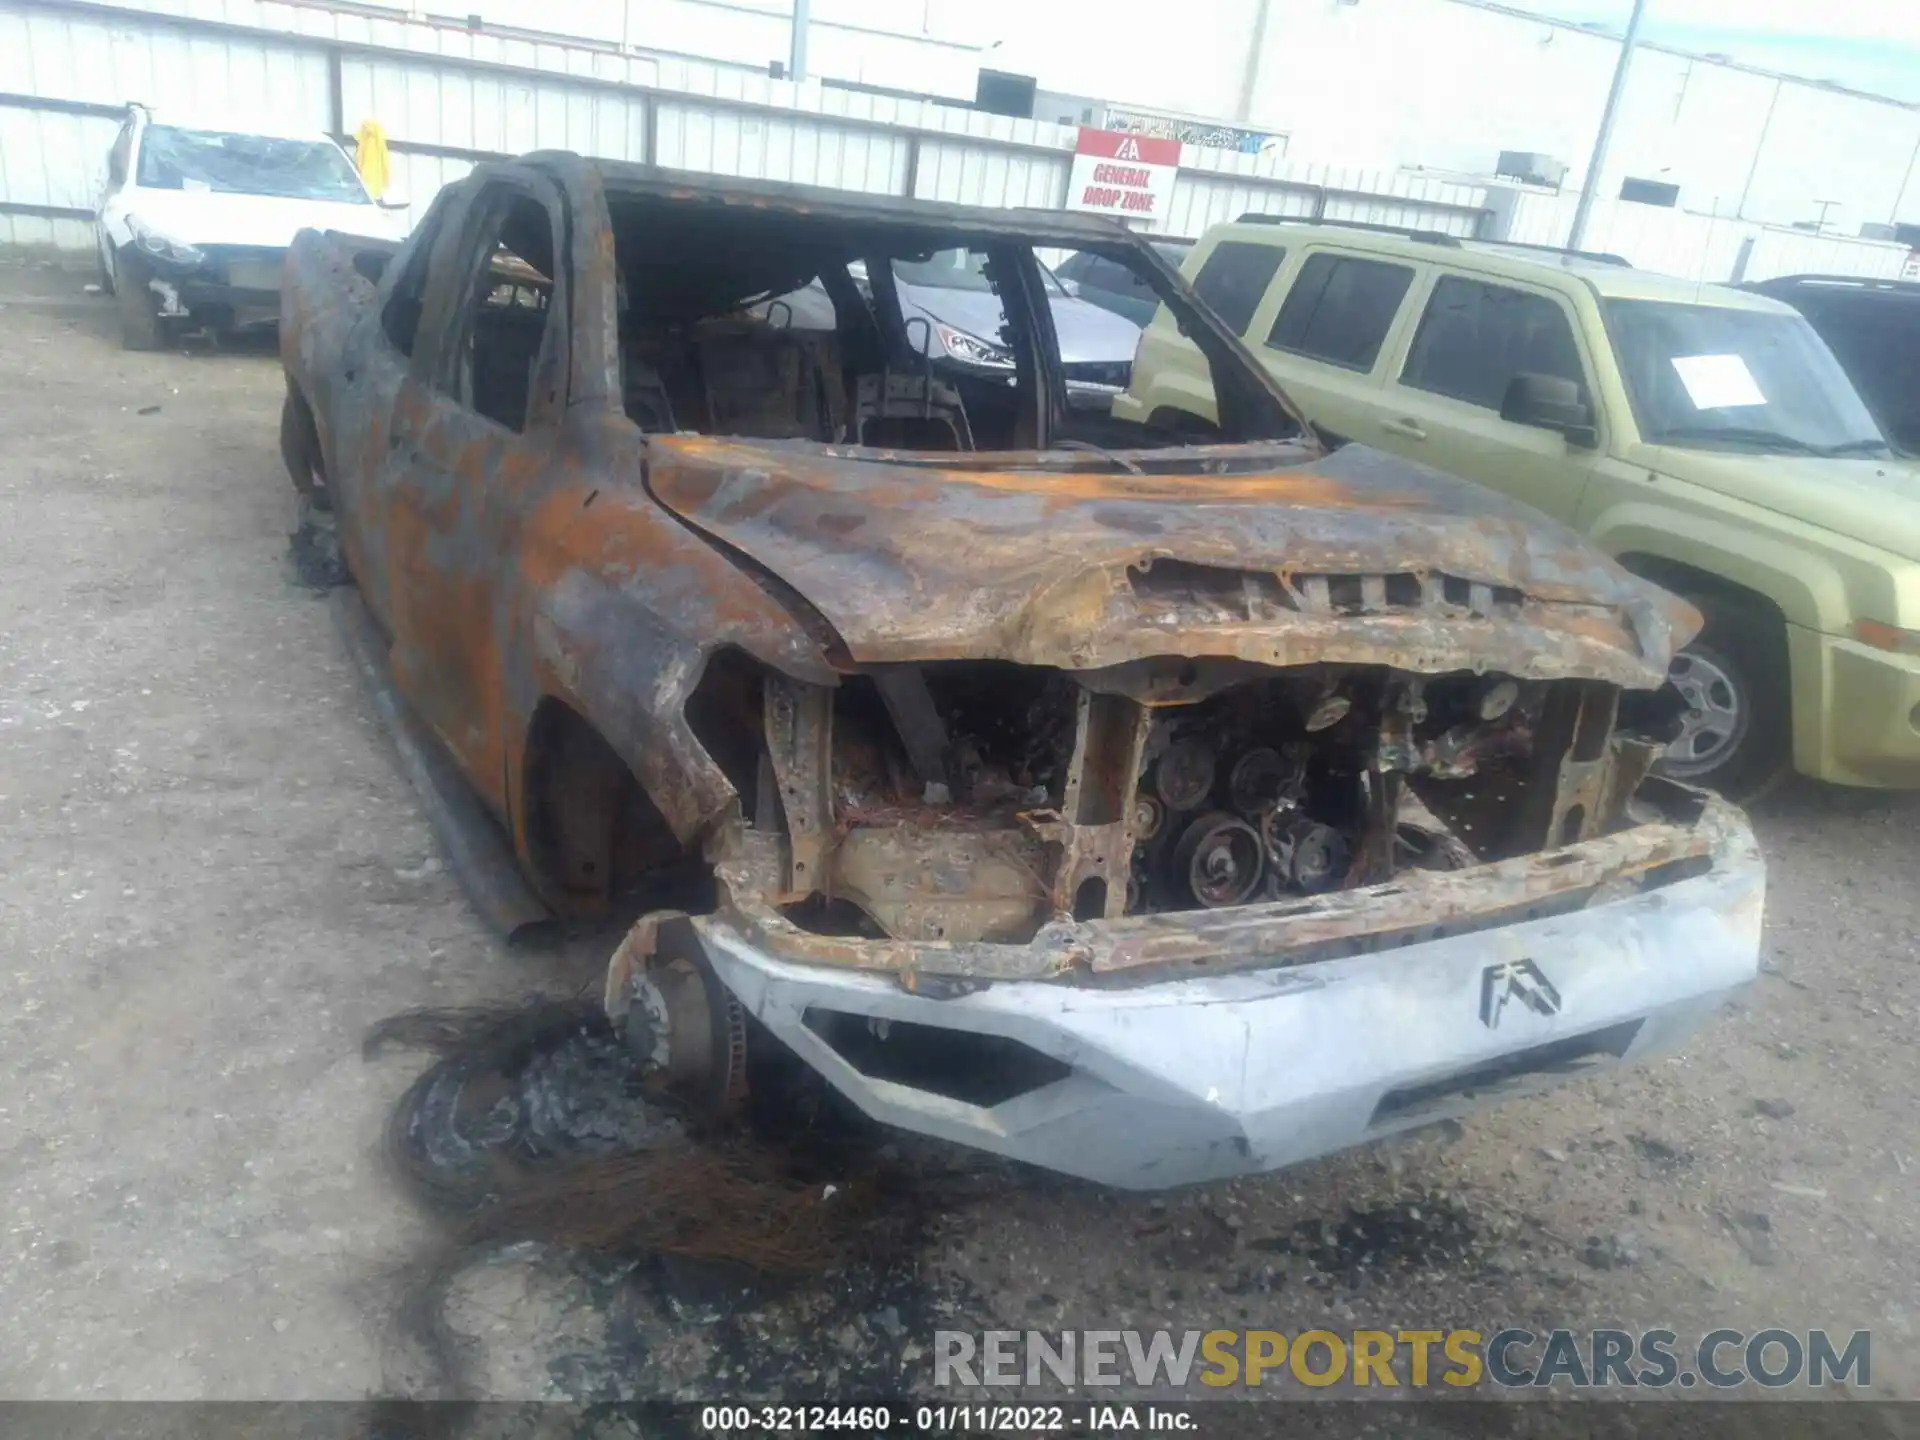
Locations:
column 194, row 223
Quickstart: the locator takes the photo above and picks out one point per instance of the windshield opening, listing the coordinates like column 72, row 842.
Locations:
column 235, row 164
column 1707, row 376
column 781, row 326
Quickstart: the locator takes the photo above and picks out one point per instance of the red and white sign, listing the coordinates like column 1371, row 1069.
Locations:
column 1130, row 176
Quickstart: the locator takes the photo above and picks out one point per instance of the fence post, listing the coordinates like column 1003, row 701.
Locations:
column 336, row 99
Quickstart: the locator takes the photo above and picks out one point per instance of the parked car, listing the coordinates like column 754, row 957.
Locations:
column 194, row 223
column 954, row 326
column 1704, row 435
column 1147, row 812
column 1114, row 287
column 1873, row 329
column 948, row 291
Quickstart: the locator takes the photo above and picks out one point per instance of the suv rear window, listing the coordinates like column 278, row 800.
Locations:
column 1340, row 309
column 1474, row 338
column 1234, row 277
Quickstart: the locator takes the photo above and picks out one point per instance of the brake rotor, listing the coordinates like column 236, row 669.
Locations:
column 690, row 1031
column 1219, row 859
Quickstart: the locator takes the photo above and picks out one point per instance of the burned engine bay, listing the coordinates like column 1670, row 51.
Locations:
column 979, row 800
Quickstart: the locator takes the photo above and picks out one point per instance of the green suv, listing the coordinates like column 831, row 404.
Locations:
column 1705, row 436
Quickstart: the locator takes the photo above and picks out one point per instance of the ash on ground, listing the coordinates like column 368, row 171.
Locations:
column 778, row 1256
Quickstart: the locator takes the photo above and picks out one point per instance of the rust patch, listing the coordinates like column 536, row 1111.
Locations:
column 544, row 538
column 631, row 958
column 1247, row 936
column 1038, row 566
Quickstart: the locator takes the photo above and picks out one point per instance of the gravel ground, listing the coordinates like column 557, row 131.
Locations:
column 218, row 880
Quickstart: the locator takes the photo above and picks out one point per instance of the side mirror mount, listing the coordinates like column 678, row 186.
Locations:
column 1072, row 287
column 1549, row 402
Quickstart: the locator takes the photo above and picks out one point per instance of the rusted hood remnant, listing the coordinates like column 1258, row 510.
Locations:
column 1268, row 555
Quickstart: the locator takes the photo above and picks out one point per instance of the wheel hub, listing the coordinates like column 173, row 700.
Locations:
column 690, row 1032
column 1718, row 712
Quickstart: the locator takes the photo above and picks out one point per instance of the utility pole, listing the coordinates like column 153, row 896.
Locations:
column 797, row 55
column 1585, row 208
column 1250, row 72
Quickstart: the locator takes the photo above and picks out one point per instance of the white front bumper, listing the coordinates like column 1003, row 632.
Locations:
column 1185, row 1080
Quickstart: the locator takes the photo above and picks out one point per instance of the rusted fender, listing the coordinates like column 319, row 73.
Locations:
column 614, row 608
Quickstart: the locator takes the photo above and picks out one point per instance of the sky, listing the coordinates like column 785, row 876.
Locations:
column 1866, row 44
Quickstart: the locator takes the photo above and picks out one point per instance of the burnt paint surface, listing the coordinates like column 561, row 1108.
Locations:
column 581, row 562
column 1019, row 563
column 512, row 568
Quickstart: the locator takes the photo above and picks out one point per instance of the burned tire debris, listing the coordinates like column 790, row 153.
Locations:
column 535, row 1136
column 314, row 545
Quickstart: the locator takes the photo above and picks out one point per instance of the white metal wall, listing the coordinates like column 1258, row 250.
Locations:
column 1433, row 84
column 58, row 160
column 448, row 97
column 1793, row 252
column 503, row 114
column 1448, row 84
column 53, row 161
column 1218, row 185
column 1702, row 247
column 76, row 53
column 937, row 42
column 967, row 174
column 775, row 146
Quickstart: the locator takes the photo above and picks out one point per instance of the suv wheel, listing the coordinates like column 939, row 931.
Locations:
column 1737, row 732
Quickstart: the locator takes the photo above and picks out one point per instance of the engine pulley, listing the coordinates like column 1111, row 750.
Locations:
column 1184, row 777
column 1262, row 778
column 1219, row 859
column 1307, row 856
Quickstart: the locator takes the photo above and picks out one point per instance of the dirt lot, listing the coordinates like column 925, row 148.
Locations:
column 217, row 880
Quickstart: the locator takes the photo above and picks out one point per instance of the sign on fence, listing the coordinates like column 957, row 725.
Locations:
column 1130, row 176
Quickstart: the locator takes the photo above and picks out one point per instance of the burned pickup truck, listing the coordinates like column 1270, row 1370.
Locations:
column 1150, row 805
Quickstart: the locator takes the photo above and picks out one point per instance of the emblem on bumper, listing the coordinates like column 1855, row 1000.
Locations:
column 1520, row 980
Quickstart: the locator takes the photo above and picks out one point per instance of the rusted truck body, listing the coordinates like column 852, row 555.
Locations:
column 1148, row 804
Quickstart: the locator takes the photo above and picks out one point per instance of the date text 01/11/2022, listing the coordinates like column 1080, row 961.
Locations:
column 945, row 1419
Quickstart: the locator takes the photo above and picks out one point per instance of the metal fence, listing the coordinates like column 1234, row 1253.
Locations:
column 450, row 96
column 1703, row 247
